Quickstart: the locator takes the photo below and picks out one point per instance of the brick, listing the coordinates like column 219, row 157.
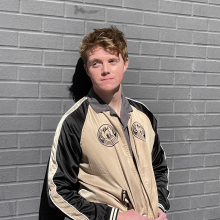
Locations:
column 214, row 2
column 8, row 175
column 188, row 189
column 190, row 79
column 133, row 47
column 213, row 53
column 28, row 206
column 72, row 43
column 8, row 141
column 42, row 7
column 49, row 123
column 7, row 208
column 8, row 107
column 212, row 160
column 212, row 134
column 213, row 80
column 20, row 22
column 176, row 64
column 179, row 204
column 9, row 5
column 176, row 7
column 15, row 123
column 174, row 93
column 214, row 25
column 189, row 134
column 105, row 2
column 61, row 58
column 146, row 5
column 66, row 105
column 64, row 26
column 158, row 49
column 20, row 56
column 144, row 33
column 179, row 176
column 67, row 74
column 8, row 38
column 205, row 93
column 212, row 187
column 20, row 157
column 85, row 12
column 204, row 201
column 18, row 89
column 204, row 174
column 128, row 16
column 166, row 135
column 169, row 121
column 140, row 62
column 169, row 161
column 179, row 36
column 32, row 217
column 41, row 41
column 212, row 106
column 131, row 77
column 39, row 107
column 160, row 20
column 140, row 92
column 40, row 74
column 191, row 214
column 206, row 147
column 176, row 148
column 190, row 51
column 31, row 173
column 206, row 38
column 157, row 78
column 159, row 107
column 188, row 162
column 212, row 213
column 54, row 91
column 36, row 140
column 94, row 25
column 8, row 72
column 190, row 23
column 16, row 191
column 205, row 120
column 206, row 11
column 189, row 107
column 45, row 154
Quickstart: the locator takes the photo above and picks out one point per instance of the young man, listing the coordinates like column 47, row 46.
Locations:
column 106, row 161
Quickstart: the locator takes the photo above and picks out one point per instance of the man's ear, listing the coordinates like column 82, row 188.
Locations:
column 126, row 64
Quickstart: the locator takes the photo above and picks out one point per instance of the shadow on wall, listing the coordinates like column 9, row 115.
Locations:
column 81, row 82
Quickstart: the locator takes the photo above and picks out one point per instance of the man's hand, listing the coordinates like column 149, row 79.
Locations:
column 132, row 215
column 161, row 215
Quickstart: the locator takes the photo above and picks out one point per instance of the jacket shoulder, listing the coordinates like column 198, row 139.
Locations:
column 143, row 108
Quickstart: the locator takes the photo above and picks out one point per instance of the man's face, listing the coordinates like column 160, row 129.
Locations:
column 105, row 69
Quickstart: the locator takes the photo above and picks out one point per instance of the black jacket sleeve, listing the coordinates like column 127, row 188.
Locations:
column 60, row 195
column 160, row 171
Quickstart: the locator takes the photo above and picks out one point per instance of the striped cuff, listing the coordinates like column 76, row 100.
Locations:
column 162, row 208
column 112, row 213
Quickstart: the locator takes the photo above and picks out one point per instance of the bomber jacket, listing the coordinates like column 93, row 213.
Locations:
column 98, row 166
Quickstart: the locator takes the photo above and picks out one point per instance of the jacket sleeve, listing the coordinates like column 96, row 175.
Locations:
column 60, row 197
column 160, row 171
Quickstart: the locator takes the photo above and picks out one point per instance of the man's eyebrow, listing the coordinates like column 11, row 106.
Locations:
column 94, row 60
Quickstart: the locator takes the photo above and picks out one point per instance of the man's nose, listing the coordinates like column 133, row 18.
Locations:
column 105, row 69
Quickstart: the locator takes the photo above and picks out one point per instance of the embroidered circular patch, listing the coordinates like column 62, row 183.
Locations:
column 138, row 131
column 107, row 135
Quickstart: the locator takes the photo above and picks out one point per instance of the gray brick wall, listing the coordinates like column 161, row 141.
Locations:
column 174, row 52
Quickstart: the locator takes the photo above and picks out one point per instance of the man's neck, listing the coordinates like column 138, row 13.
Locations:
column 112, row 99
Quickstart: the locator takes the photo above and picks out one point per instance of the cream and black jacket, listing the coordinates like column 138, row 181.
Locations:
column 101, row 164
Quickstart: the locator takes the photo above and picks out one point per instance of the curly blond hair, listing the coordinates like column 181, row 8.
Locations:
column 109, row 38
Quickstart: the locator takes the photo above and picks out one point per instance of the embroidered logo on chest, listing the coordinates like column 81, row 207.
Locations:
column 138, row 131
column 107, row 135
